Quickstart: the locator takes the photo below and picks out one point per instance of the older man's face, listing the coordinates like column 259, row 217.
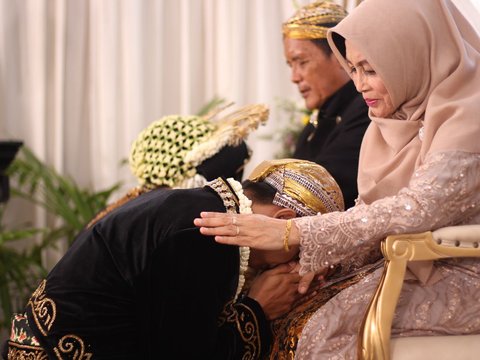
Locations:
column 317, row 75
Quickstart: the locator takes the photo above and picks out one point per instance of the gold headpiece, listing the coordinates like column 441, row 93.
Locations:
column 167, row 152
column 301, row 185
column 307, row 23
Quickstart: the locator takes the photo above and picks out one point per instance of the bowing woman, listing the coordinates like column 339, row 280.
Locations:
column 416, row 65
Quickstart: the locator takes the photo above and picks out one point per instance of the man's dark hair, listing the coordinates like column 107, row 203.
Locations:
column 262, row 192
column 323, row 43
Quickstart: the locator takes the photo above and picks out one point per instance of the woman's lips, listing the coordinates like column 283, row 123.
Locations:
column 371, row 102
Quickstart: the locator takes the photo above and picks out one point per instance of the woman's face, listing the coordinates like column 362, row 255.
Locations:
column 368, row 83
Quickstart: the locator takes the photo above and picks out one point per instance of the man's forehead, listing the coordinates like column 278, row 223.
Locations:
column 299, row 48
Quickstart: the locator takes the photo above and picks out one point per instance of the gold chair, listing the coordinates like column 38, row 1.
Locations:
column 374, row 341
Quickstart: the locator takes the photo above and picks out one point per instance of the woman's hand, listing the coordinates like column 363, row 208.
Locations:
column 310, row 278
column 256, row 231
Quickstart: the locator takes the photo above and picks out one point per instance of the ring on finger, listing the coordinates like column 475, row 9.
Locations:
column 234, row 220
column 238, row 230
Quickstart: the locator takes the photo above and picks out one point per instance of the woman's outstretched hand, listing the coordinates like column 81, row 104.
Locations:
column 253, row 230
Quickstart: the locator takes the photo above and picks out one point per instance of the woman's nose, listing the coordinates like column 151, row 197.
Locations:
column 359, row 81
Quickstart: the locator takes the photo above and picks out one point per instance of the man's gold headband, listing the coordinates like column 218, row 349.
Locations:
column 307, row 23
column 301, row 185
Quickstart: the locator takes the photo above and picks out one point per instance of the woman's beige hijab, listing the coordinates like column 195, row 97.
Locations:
column 428, row 56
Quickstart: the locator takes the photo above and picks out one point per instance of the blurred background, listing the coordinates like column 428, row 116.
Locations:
column 79, row 79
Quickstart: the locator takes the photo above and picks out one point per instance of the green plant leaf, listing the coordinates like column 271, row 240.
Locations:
column 212, row 104
column 8, row 236
column 71, row 208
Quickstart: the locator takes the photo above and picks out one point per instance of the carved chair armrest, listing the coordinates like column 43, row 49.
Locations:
column 398, row 250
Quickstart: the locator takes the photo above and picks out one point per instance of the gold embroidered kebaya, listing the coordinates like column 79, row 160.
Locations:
column 309, row 22
column 20, row 352
column 72, row 347
column 44, row 311
column 246, row 322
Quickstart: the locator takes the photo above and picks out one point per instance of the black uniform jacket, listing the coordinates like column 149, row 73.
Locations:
column 335, row 142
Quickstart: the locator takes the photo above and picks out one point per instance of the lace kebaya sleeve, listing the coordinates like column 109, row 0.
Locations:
column 443, row 191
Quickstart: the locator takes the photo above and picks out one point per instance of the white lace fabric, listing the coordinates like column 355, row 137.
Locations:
column 443, row 191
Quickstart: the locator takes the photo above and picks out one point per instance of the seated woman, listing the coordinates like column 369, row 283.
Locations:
column 416, row 65
column 142, row 280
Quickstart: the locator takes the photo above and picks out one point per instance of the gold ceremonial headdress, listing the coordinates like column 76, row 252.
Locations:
column 313, row 20
column 301, row 185
column 170, row 151
column 188, row 151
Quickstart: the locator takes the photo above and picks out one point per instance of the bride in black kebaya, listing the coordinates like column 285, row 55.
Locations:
column 141, row 282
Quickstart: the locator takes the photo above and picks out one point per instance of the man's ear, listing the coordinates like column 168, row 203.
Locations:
column 285, row 214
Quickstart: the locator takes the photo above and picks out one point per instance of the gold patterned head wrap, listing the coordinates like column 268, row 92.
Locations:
column 312, row 21
column 168, row 151
column 301, row 185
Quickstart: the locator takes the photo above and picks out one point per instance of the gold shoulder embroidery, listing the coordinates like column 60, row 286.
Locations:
column 44, row 309
column 230, row 201
column 247, row 325
column 71, row 347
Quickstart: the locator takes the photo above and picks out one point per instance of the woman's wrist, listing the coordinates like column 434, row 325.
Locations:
column 294, row 236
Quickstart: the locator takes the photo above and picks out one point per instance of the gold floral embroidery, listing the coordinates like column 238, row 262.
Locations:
column 44, row 313
column 247, row 324
column 44, row 309
column 25, row 352
column 71, row 347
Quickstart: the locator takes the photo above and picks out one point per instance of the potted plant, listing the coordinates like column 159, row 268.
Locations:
column 71, row 208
